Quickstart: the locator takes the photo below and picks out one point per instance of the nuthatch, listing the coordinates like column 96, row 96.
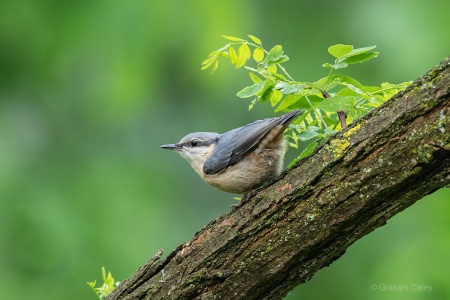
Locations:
column 241, row 159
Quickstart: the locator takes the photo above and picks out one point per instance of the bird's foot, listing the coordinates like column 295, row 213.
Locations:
column 244, row 198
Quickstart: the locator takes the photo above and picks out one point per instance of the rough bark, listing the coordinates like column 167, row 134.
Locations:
column 304, row 221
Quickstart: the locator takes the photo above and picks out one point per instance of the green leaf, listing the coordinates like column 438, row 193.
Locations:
column 340, row 65
column 362, row 91
column 208, row 62
column 340, row 50
column 272, row 69
column 308, row 134
column 287, row 88
column 224, row 48
column 333, row 104
column 282, row 59
column 104, row 274
column 254, row 77
column 346, row 92
column 387, row 85
column 243, row 54
column 109, row 281
column 210, row 58
column 233, row 55
column 255, row 39
column 354, row 114
column 315, row 100
column 278, row 75
column 300, row 102
column 329, row 131
column 371, row 89
column 251, row 90
column 215, row 66
column 232, row 38
column 287, row 101
column 258, row 54
column 275, row 97
column 252, row 104
column 308, row 151
column 389, row 90
column 326, row 83
column 292, row 138
column 335, row 66
column 358, row 51
column 361, row 57
column 274, row 54
column 92, row 283
column 300, row 119
column 264, row 94
column 403, row 85
column 329, row 120
column 350, row 80
column 313, row 128
column 377, row 100
column 106, row 288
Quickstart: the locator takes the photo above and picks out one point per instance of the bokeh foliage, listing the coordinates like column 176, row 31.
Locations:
column 89, row 90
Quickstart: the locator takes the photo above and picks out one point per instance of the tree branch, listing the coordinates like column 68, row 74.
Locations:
column 281, row 236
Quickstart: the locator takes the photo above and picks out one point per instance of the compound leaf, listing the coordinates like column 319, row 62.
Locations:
column 251, row 90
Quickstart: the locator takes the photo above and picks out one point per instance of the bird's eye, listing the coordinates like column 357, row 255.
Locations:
column 194, row 143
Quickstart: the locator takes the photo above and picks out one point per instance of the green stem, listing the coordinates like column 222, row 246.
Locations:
column 332, row 69
column 285, row 72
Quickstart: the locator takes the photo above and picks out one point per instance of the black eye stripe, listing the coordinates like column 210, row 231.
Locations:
column 195, row 142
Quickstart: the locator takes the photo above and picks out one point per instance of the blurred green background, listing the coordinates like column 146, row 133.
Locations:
column 89, row 90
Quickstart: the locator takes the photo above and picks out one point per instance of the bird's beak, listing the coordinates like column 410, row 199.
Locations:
column 175, row 147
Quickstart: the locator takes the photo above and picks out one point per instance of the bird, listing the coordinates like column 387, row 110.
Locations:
column 240, row 160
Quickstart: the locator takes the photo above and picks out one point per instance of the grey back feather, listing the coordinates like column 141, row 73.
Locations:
column 233, row 145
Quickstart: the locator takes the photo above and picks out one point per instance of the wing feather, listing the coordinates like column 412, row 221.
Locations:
column 233, row 145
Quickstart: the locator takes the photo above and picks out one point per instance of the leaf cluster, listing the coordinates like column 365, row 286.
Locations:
column 106, row 288
column 321, row 99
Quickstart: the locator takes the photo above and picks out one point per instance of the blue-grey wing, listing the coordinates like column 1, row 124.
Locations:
column 233, row 145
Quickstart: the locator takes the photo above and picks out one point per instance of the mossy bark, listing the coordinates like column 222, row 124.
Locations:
column 281, row 236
